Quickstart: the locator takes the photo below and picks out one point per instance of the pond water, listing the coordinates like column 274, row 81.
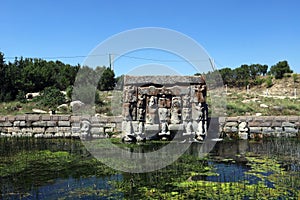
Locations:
column 64, row 169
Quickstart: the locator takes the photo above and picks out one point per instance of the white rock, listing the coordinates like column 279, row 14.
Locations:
column 263, row 106
column 38, row 111
column 76, row 104
column 62, row 106
column 258, row 114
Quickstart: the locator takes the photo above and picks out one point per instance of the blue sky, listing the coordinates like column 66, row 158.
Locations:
column 233, row 32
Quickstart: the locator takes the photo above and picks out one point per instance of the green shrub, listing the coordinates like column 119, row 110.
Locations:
column 51, row 97
column 269, row 81
column 259, row 81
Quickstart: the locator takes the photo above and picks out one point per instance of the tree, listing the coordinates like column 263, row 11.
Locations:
column 51, row 97
column 227, row 75
column 280, row 69
column 107, row 80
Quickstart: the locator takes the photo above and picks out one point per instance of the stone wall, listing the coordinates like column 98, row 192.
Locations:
column 262, row 126
column 51, row 126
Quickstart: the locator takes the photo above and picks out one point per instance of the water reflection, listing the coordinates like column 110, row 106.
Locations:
column 35, row 168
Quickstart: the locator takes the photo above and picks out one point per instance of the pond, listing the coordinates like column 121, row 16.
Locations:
column 64, row 169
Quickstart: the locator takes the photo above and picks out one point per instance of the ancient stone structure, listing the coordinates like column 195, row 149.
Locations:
column 253, row 127
column 160, row 107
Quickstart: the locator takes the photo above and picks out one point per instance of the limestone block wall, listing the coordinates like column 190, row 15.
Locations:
column 52, row 126
column 262, row 126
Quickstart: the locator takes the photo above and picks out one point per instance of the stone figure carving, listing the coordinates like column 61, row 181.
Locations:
column 189, row 129
column 186, row 114
column 164, row 133
column 141, row 114
column 141, row 101
column 175, row 110
column 152, row 111
column 163, row 114
column 186, row 101
column 85, row 127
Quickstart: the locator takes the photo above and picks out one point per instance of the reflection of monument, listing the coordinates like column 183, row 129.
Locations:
column 162, row 106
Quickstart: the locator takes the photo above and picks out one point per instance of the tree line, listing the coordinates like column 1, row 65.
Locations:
column 26, row 75
column 253, row 74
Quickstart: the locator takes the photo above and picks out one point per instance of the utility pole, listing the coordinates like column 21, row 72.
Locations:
column 111, row 61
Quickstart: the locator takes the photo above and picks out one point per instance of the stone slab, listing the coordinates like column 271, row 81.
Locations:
column 46, row 117
column 255, row 129
column 33, row 117
column 64, row 123
column 39, row 123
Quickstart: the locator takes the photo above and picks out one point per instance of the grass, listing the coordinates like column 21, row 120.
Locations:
column 249, row 104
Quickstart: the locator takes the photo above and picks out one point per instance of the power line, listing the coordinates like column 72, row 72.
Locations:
column 126, row 56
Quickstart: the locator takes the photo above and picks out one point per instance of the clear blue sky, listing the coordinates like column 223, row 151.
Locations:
column 233, row 32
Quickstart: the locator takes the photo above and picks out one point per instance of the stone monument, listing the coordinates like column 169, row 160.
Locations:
column 160, row 107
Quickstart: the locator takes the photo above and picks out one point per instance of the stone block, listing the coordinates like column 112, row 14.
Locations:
column 75, row 129
column 290, row 130
column 259, row 119
column 111, row 125
column 64, row 129
column 75, row 119
column 33, row 117
column 293, row 119
column 64, row 123
column 266, row 130
column 3, row 118
column 232, row 119
column 23, row 124
column 13, row 129
column 276, row 124
column 288, row 124
column 20, row 118
column 51, row 123
column 94, row 119
column 54, row 117
column 38, row 130
column 5, row 124
column 280, row 118
column 99, row 136
column 11, row 118
column 176, row 127
column 64, row 118
column 151, row 127
column 39, row 123
column 266, row 124
column 232, row 124
column 16, row 123
column 255, row 129
column 243, row 119
column 222, row 120
column 254, row 124
column 46, row 118
column 268, row 118
column 26, row 130
column 97, row 130
column 51, row 130
column 278, row 129
column 98, row 125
